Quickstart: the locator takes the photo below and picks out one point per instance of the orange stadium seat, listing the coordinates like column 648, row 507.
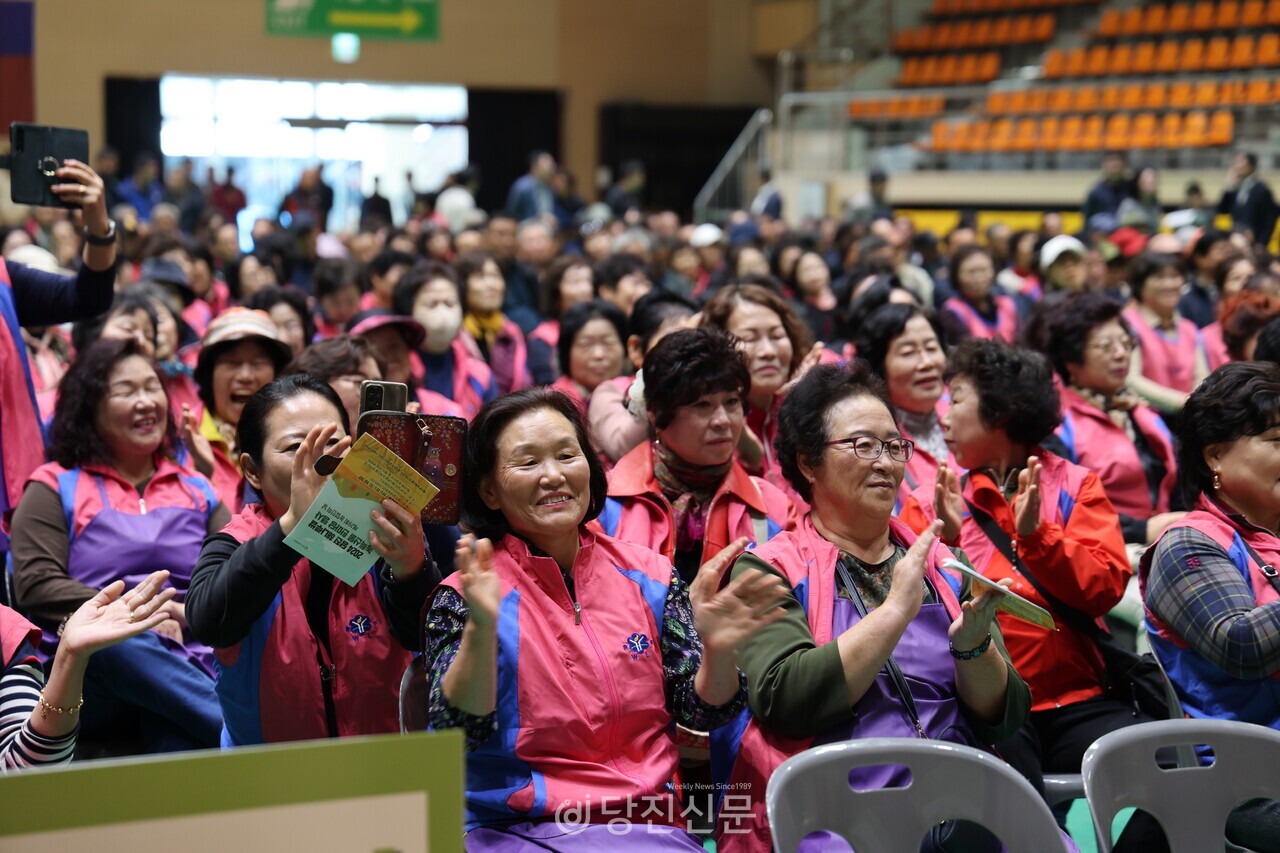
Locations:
column 981, row 34
column 1121, row 60
column 940, row 135
column 1195, row 130
column 1131, row 96
column 988, row 67
column 910, row 72
column 1093, row 134
column 1242, row 52
column 1038, row 100
column 1109, row 25
column 1222, row 128
column 1168, row 56
column 1131, row 22
column 1098, row 60
column 997, row 102
column 1233, row 92
column 1026, row 136
column 979, row 133
column 1206, row 94
column 1269, row 50
column 1179, row 18
column 1002, row 32
column 1192, row 55
column 1061, row 100
column 1055, row 64
column 1043, row 28
column 1156, row 18
column 1023, row 30
column 1155, row 96
column 1258, row 93
column 1087, row 99
column 1171, row 130
column 962, row 36
column 1075, row 63
column 1050, row 133
column 1253, row 13
column 965, row 70
column 1273, row 13
column 1001, row 138
column 948, row 73
column 1181, row 95
column 1144, row 57
column 1146, row 131
column 1017, row 102
column 1228, row 15
column 1218, row 54
column 1118, row 132
column 944, row 36
column 1202, row 17
column 1070, row 136
column 1111, row 98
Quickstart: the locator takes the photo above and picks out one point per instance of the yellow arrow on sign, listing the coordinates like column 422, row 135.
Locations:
column 405, row 20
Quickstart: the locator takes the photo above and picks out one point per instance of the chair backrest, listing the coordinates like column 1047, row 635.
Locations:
column 810, row 792
column 414, row 696
column 1191, row 803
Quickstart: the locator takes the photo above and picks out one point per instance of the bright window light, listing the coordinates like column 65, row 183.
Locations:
column 251, row 100
column 186, row 96
column 186, row 137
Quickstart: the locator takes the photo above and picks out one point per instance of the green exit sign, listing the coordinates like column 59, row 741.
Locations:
column 374, row 19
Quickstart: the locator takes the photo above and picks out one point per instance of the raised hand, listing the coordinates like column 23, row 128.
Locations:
column 307, row 482
column 113, row 616
column 1026, row 503
column 905, row 591
column 83, row 187
column 811, row 359
column 398, row 539
column 481, row 586
column 974, row 622
column 726, row 618
column 948, row 503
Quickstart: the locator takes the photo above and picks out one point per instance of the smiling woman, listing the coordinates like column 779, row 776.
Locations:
column 542, row 608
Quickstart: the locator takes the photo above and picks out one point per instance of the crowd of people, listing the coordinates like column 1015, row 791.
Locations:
column 716, row 479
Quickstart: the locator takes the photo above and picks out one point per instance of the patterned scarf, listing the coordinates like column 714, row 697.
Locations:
column 1116, row 407
column 690, row 489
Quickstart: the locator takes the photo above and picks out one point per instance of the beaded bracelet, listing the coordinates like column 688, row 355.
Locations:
column 45, row 707
column 972, row 653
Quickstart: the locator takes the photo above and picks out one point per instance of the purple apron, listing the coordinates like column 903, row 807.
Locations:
column 117, row 545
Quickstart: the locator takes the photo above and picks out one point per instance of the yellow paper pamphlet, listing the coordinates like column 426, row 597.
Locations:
column 1012, row 603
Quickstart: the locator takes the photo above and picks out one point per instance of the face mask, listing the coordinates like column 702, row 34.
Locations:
column 442, row 323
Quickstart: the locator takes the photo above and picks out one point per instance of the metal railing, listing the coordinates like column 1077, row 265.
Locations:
column 733, row 183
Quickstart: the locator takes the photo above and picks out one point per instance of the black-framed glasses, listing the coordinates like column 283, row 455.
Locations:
column 870, row 447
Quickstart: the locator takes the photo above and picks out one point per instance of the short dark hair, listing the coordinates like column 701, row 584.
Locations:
column 73, row 436
column 1239, row 399
column 388, row 258
column 579, row 316
column 482, row 455
column 1014, row 386
column 1068, row 324
column 875, row 297
column 718, row 311
column 961, row 255
column 876, row 335
column 1244, row 315
column 251, row 432
column 472, row 263
column 1268, row 348
column 549, row 292
column 338, row 356
column 127, row 301
column 419, row 276
column 613, row 269
column 802, row 420
column 1223, row 269
column 1206, row 241
column 655, row 308
column 275, row 294
column 334, row 275
column 1146, row 265
column 687, row 364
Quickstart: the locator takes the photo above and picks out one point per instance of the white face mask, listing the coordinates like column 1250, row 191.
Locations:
column 442, row 323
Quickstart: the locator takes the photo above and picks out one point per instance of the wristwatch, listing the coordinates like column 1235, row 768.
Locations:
column 108, row 239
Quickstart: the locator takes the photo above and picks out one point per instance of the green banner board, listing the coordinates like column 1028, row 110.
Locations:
column 384, row 794
column 375, row 19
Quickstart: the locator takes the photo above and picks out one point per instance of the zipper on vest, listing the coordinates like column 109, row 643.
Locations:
column 142, row 505
column 577, row 613
column 328, row 672
column 606, row 676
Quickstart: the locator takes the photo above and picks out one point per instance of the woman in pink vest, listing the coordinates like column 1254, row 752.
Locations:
column 299, row 654
column 591, row 349
column 491, row 334
column 779, row 349
column 394, row 338
column 1211, row 592
column 683, row 494
column 115, row 505
column 443, row 363
column 983, row 309
column 569, row 281
column 1230, row 275
column 903, row 345
column 870, row 615
column 1170, row 359
column 566, row 656
column 1104, row 427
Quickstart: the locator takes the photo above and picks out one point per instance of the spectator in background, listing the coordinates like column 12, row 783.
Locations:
column 227, row 198
column 984, row 311
column 590, row 349
column 1020, row 274
column 999, row 243
column 344, row 363
column 393, row 339
column 494, row 336
column 456, row 203
column 530, row 196
column 568, row 202
column 767, row 201
column 872, row 203
column 182, row 192
column 143, row 190
column 1229, row 278
column 568, row 282
column 1142, row 209
column 1169, row 360
column 311, row 196
column 1062, row 264
column 382, row 275
column 1200, row 302
column 287, row 308
column 375, row 210
column 1248, row 200
column 623, row 197
column 535, row 250
column 107, row 165
column 819, row 307
column 623, row 279
column 1113, row 188
column 337, row 291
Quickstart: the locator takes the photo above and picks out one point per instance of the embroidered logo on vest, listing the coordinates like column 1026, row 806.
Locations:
column 360, row 625
column 638, row 645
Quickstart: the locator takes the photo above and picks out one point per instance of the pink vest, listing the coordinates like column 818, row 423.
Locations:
column 1097, row 443
column 581, row 712
column 548, row 331
column 1215, row 348
column 1171, row 363
column 808, row 561
column 472, row 378
column 1005, row 326
column 922, row 470
column 508, row 357
column 14, row 631
column 21, row 442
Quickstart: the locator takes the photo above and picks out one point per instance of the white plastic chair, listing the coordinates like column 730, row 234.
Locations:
column 1191, row 803
column 810, row 792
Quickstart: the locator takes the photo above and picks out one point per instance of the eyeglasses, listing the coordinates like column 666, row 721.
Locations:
column 1126, row 344
column 870, row 447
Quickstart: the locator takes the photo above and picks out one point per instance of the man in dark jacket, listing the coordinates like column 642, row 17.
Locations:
column 1249, row 200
